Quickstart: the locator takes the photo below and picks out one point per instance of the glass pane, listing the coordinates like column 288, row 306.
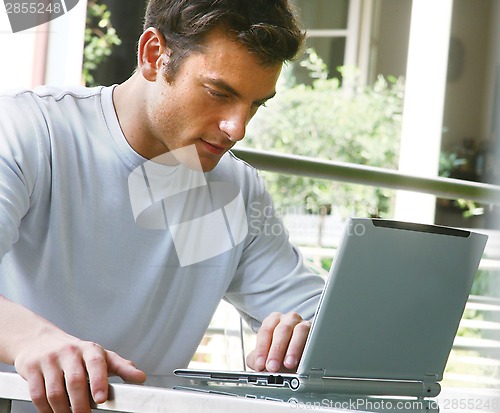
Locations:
column 331, row 50
column 323, row 14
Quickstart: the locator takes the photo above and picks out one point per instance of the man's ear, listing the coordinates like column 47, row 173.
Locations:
column 152, row 53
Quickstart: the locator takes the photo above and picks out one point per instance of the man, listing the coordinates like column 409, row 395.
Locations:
column 109, row 249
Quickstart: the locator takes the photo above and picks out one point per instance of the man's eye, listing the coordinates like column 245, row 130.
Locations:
column 216, row 94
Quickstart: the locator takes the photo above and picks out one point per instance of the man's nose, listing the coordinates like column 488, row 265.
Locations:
column 234, row 126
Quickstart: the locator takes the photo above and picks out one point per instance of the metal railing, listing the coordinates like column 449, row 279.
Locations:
column 366, row 175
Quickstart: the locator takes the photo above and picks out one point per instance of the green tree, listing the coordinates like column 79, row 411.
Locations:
column 100, row 37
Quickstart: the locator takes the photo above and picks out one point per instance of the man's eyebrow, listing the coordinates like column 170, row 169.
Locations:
column 229, row 89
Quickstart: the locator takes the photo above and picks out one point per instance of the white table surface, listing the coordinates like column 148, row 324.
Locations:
column 152, row 399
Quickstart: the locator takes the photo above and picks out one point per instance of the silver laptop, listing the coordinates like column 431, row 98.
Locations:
column 388, row 315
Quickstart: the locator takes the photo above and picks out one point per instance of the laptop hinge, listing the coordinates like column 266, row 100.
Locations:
column 318, row 381
column 429, row 382
column 316, row 375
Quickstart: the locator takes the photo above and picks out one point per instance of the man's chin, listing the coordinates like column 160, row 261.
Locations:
column 209, row 165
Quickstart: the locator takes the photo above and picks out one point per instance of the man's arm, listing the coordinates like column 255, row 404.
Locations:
column 273, row 289
column 57, row 366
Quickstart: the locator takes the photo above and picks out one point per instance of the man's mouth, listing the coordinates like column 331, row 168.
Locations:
column 215, row 148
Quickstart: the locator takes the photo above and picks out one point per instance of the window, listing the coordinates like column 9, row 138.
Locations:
column 332, row 29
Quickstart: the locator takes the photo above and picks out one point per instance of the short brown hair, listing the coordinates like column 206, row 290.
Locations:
column 268, row 28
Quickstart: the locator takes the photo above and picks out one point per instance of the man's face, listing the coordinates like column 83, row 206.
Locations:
column 209, row 101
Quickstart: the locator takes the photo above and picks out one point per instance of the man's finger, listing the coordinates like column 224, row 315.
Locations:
column 73, row 365
column 38, row 394
column 258, row 358
column 124, row 368
column 96, row 365
column 77, row 386
column 296, row 345
column 55, row 387
column 282, row 336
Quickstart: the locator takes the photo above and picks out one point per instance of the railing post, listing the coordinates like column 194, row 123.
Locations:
column 5, row 405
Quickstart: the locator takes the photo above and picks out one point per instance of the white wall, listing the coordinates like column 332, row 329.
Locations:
column 65, row 52
column 23, row 57
column 476, row 25
column 492, row 100
column 17, row 54
column 491, row 123
column 466, row 99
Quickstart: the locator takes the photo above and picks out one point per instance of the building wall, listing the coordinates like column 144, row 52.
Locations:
column 390, row 37
column 47, row 54
column 466, row 97
column 15, row 71
column 468, row 89
column 492, row 100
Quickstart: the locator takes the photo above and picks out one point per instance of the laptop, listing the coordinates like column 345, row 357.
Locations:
column 388, row 314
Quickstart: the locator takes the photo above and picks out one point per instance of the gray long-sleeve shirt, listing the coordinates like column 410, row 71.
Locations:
column 74, row 249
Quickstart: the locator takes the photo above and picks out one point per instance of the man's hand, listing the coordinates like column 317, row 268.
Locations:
column 59, row 367
column 280, row 343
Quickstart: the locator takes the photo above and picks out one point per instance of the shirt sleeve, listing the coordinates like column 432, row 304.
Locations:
column 271, row 275
column 18, row 167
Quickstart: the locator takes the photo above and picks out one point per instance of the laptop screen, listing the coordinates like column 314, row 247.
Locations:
column 393, row 301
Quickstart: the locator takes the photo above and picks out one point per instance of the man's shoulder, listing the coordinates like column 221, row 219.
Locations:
column 232, row 169
column 52, row 93
column 44, row 112
column 230, row 160
column 30, row 109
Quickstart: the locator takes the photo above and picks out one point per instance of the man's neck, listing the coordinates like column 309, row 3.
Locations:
column 130, row 106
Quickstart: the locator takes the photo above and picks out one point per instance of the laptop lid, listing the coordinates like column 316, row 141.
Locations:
column 393, row 301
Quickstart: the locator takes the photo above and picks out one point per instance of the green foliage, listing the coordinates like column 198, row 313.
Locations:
column 100, row 37
column 486, row 282
column 332, row 121
column 449, row 164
